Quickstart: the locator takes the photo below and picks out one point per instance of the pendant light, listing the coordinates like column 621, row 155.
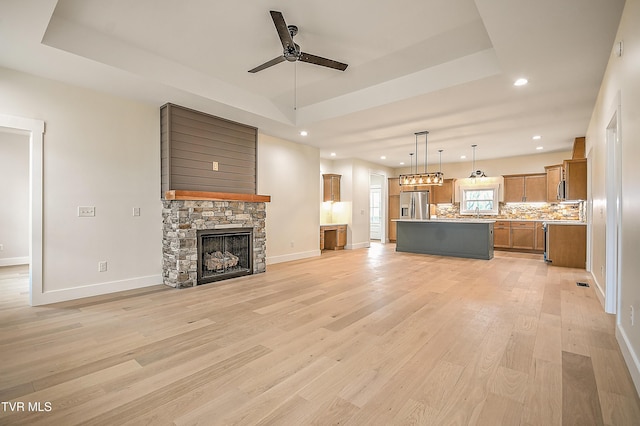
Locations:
column 425, row 178
column 475, row 173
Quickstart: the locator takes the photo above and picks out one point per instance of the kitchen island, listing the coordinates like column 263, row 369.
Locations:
column 470, row 238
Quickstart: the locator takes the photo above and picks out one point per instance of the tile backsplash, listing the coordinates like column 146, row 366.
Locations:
column 535, row 211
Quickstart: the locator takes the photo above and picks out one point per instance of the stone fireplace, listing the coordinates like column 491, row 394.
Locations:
column 228, row 227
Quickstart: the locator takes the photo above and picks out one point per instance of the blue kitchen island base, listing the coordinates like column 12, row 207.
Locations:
column 464, row 238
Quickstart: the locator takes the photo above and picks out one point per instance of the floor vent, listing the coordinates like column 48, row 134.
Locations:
column 579, row 284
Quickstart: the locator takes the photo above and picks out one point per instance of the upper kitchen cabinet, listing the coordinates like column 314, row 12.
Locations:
column 575, row 179
column 331, row 183
column 529, row 188
column 442, row 194
column 554, row 176
column 394, row 186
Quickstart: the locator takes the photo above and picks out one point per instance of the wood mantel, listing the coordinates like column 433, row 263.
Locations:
column 215, row 196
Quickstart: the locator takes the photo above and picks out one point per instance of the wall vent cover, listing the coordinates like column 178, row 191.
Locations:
column 579, row 284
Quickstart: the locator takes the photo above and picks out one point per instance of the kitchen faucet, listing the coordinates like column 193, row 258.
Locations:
column 477, row 212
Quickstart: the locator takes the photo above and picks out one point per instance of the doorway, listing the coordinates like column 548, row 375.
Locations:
column 34, row 129
column 376, row 207
column 14, row 185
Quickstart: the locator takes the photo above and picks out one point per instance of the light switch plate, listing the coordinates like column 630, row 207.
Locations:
column 215, row 166
column 136, row 211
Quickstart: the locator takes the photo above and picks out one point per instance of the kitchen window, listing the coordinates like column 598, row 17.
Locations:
column 479, row 200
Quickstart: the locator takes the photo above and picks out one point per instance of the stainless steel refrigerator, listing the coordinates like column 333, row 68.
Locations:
column 414, row 205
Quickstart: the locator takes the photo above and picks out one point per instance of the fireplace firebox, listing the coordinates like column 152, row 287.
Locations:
column 224, row 253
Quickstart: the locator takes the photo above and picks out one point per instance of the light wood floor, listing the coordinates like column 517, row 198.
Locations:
column 362, row 337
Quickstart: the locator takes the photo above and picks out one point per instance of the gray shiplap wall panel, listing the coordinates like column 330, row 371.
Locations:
column 206, row 165
column 191, row 126
column 191, row 141
column 205, row 146
column 228, row 176
column 202, row 120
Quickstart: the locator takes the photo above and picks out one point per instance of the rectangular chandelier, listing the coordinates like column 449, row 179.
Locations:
column 425, row 178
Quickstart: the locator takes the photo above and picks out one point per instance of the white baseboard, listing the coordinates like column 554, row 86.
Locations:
column 292, row 256
column 629, row 355
column 62, row 295
column 599, row 291
column 11, row 261
column 365, row 244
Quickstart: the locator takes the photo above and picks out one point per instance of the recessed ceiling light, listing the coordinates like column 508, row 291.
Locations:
column 521, row 82
column 333, row 154
column 303, row 133
column 536, row 137
column 383, row 157
column 462, row 157
column 539, row 148
column 402, row 163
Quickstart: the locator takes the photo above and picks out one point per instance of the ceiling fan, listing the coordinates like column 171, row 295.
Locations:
column 291, row 50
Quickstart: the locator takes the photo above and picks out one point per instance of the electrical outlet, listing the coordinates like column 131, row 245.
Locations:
column 1, row 247
column 86, row 211
column 102, row 266
column 136, row 211
column 215, row 166
column 632, row 315
column 291, row 243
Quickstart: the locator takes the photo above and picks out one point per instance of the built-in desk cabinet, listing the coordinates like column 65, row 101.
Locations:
column 331, row 187
column 333, row 237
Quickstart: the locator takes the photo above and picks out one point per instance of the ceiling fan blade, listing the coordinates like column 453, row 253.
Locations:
column 317, row 60
column 267, row 64
column 283, row 30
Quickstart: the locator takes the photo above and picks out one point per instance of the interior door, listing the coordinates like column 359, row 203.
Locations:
column 375, row 212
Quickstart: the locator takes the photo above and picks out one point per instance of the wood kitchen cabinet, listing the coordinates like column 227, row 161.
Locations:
column 523, row 235
column 554, row 176
column 567, row 245
column 575, row 176
column 393, row 207
column 442, row 194
column 502, row 234
column 518, row 235
column 539, row 242
column 529, row 188
column 333, row 237
column 331, row 187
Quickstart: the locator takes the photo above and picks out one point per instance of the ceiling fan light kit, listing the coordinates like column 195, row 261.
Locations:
column 291, row 51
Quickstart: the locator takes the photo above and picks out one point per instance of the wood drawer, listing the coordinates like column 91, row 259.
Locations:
column 523, row 224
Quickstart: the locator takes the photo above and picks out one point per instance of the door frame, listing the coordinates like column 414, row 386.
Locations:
column 35, row 129
column 613, row 191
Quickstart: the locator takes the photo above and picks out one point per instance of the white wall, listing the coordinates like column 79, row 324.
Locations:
column 621, row 78
column 14, row 208
column 289, row 173
column 102, row 151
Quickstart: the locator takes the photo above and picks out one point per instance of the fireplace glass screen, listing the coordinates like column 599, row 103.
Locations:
column 224, row 254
